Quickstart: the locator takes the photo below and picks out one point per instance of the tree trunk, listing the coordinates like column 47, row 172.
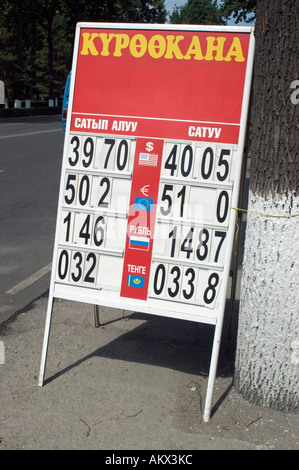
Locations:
column 267, row 358
column 50, row 57
column 19, row 83
column 50, row 10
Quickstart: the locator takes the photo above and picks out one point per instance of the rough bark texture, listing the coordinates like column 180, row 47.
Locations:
column 267, row 359
column 275, row 124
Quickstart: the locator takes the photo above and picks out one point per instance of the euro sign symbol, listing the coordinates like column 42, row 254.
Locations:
column 149, row 146
column 144, row 190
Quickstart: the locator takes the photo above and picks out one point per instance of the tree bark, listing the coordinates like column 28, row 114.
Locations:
column 19, row 84
column 50, row 11
column 267, row 357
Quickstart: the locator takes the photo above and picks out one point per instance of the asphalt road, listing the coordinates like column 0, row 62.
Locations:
column 30, row 165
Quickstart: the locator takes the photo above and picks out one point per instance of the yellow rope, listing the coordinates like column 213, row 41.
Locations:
column 259, row 213
column 266, row 215
column 236, row 237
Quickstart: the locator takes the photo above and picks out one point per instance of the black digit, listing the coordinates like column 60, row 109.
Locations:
column 186, row 294
column 159, row 283
column 188, row 149
column 122, row 164
column 111, row 143
column 75, row 140
column 206, row 174
column 222, row 211
column 87, row 277
column 102, row 203
column 63, row 264
column 173, row 234
column 88, row 150
column 187, row 243
column 78, row 256
column 166, row 197
column 99, row 230
column 70, row 186
column 182, row 194
column 67, row 220
column 223, row 162
column 170, row 163
column 222, row 236
column 202, row 248
column 84, row 232
column 175, row 270
column 210, row 292
column 84, row 190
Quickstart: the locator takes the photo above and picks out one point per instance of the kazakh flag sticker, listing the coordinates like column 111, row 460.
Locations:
column 135, row 281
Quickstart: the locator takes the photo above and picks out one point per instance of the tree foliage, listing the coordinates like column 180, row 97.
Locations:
column 197, row 12
column 239, row 10
column 214, row 12
column 36, row 38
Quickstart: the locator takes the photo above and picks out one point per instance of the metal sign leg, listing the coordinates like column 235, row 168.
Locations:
column 213, row 371
column 45, row 342
column 96, row 316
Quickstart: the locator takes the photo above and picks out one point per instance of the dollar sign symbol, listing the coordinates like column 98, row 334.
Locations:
column 149, row 146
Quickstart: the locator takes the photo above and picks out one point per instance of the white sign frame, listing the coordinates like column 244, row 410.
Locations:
column 84, row 294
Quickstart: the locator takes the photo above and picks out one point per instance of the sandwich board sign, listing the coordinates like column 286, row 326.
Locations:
column 151, row 171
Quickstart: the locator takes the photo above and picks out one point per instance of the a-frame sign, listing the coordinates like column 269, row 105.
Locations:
column 151, row 171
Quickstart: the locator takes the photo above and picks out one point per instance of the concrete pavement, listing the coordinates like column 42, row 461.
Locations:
column 31, row 154
column 138, row 382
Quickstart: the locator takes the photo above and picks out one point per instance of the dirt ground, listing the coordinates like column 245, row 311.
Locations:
column 137, row 382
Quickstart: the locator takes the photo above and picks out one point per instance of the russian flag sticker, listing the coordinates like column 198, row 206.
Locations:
column 139, row 243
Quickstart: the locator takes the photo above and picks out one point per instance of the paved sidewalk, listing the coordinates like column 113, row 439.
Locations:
column 136, row 383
